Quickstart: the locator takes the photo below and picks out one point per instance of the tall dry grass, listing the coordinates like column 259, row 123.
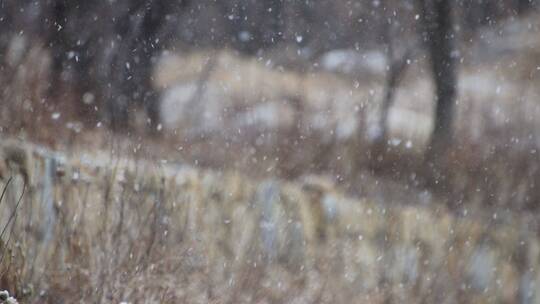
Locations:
column 101, row 228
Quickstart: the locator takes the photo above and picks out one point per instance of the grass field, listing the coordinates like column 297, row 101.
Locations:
column 100, row 228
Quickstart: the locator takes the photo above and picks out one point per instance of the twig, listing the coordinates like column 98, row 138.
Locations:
column 5, row 189
column 14, row 212
column 11, row 217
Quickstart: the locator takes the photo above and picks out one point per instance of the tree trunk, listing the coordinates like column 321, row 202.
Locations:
column 524, row 6
column 397, row 68
column 439, row 37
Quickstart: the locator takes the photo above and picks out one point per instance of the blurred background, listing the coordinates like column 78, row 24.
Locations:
column 287, row 87
column 429, row 103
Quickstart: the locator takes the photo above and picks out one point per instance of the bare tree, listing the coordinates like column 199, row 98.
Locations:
column 397, row 65
column 70, row 49
column 109, row 51
column 439, row 37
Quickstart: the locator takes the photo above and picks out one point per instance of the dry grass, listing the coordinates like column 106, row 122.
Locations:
column 99, row 228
